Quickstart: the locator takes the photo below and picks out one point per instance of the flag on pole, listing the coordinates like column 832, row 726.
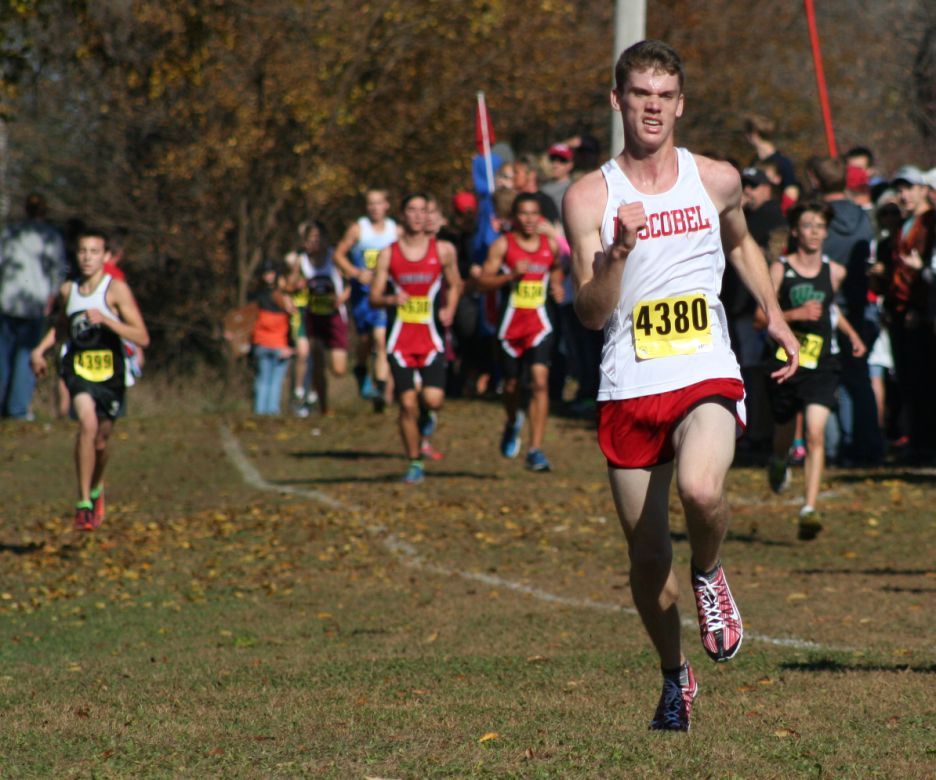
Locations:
column 482, row 170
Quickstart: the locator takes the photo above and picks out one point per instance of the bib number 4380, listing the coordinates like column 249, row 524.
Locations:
column 672, row 326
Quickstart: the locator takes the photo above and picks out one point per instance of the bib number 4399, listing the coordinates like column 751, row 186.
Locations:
column 666, row 327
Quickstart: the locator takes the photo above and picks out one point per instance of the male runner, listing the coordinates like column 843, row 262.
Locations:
column 806, row 282
column 328, row 317
column 528, row 262
column 356, row 256
column 647, row 232
column 417, row 264
column 98, row 313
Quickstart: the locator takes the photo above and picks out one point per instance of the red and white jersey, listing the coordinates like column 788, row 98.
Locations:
column 414, row 338
column 525, row 322
column 668, row 330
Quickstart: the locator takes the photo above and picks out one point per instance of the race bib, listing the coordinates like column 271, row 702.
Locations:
column 95, row 365
column 417, row 310
column 370, row 258
column 810, row 348
column 321, row 304
column 666, row 327
column 528, row 294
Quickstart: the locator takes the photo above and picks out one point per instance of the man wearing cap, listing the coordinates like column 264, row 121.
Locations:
column 767, row 226
column 848, row 243
column 910, row 304
column 561, row 161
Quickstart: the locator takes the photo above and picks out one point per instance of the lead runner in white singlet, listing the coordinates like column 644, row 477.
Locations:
column 647, row 232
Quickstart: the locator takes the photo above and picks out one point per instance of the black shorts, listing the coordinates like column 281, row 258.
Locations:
column 807, row 386
column 404, row 377
column 541, row 353
column 108, row 400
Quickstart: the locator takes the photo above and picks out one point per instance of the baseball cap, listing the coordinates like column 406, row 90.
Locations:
column 753, row 177
column 909, row 174
column 464, row 201
column 562, row 151
column 930, row 177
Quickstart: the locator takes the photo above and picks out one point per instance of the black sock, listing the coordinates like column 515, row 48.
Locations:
column 709, row 575
column 680, row 674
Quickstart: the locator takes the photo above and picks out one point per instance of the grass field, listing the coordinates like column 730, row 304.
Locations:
column 267, row 600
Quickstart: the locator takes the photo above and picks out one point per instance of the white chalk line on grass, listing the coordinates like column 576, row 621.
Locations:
column 410, row 556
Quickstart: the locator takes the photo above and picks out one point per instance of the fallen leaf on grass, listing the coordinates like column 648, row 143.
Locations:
column 431, row 638
column 537, row 659
column 216, row 752
column 797, row 597
column 489, row 736
column 784, row 733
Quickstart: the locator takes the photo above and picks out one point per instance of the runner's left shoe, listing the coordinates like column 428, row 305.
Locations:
column 674, row 711
column 428, row 451
column 810, row 524
column 719, row 619
column 427, row 423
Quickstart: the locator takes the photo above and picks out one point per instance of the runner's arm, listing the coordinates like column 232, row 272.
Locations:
column 448, row 258
column 378, row 296
column 37, row 361
column 557, row 273
column 341, row 254
column 130, row 326
column 491, row 277
column 596, row 275
column 724, row 185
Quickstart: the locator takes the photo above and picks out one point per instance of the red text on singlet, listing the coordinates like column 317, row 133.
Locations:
column 414, row 339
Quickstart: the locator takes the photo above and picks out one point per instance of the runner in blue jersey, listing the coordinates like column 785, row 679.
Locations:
column 356, row 257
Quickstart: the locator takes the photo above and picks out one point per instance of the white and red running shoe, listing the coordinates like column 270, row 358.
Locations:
column 719, row 619
column 674, row 711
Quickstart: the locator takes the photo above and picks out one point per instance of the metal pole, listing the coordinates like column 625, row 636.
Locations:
column 630, row 26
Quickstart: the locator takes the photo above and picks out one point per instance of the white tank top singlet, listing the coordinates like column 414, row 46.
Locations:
column 668, row 330
column 96, row 299
column 370, row 242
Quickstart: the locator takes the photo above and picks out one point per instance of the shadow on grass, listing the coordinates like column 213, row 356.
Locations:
column 831, row 665
column 886, row 571
column 885, row 475
column 347, row 455
column 384, row 479
column 732, row 536
column 22, row 549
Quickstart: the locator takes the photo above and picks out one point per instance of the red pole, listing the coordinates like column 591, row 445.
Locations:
column 820, row 78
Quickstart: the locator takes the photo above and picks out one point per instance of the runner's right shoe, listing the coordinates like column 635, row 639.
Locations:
column 674, row 711
column 510, row 440
column 719, row 620
column 778, row 474
column 97, row 509
column 810, row 524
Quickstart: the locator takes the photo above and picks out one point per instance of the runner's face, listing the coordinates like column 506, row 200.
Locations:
column 313, row 240
column 91, row 253
column 377, row 206
column 527, row 218
column 414, row 215
column 651, row 103
column 811, row 231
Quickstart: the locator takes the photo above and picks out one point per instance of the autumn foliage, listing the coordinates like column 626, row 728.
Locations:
column 211, row 128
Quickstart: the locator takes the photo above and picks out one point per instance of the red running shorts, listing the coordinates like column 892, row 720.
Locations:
column 636, row 433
